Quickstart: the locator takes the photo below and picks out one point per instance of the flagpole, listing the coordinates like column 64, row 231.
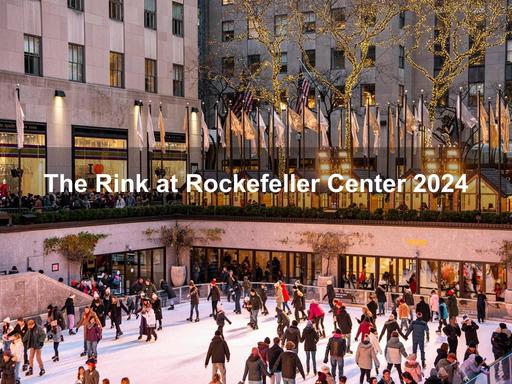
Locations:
column 188, row 147
column 271, row 139
column 387, row 141
column 340, row 131
column 287, row 148
column 368, row 149
column 499, row 148
column 318, row 123
column 479, row 161
column 242, row 149
column 217, row 141
column 162, row 140
column 405, row 132
column 259, row 144
column 490, row 130
column 423, row 135
column 351, row 147
column 304, row 99
column 20, row 171
column 148, row 162
column 203, row 155
column 397, row 157
column 230, row 150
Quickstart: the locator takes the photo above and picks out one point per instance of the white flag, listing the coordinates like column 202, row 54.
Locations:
column 150, row 131
column 220, row 132
column 355, row 129
column 279, row 129
column 324, row 126
column 310, row 118
column 140, row 131
column 340, row 131
column 375, row 124
column 365, row 128
column 206, row 134
column 263, row 128
column 422, row 112
column 20, row 124
column 464, row 115
column 410, row 120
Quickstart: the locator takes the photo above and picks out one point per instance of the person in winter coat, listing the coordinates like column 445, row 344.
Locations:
column 148, row 289
column 343, row 322
column 34, row 339
column 393, row 353
column 442, row 353
column 292, row 334
column 215, row 296
column 453, row 308
column 452, row 331
column 365, row 359
column 157, row 308
column 335, row 351
column 55, row 331
column 390, row 326
column 246, row 285
column 289, row 362
column 386, row 377
column 218, row 352
column 283, row 322
column 470, row 329
column 363, row 330
column 443, row 314
column 286, row 298
column 423, row 308
column 413, row 368
column 164, row 286
column 408, row 379
column 481, row 304
column 472, row 366
column 8, row 368
column 84, row 320
column 316, row 314
column 237, row 294
column 451, row 369
column 91, row 375
column 149, row 315
column 20, row 329
column 193, row 294
column 297, row 304
column 409, row 300
column 310, row 339
column 330, row 294
column 273, row 354
column 98, row 307
column 254, row 305
column 262, row 292
column 434, row 305
column 470, row 350
column 278, row 295
column 69, row 306
column 373, row 336
column 380, row 292
column 255, row 369
column 263, row 347
column 18, row 350
column 373, row 307
column 221, row 319
column 6, row 330
column 116, row 306
column 403, row 315
column 93, row 335
column 500, row 341
column 419, row 330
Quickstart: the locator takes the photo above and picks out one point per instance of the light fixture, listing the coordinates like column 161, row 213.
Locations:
column 60, row 93
column 138, row 103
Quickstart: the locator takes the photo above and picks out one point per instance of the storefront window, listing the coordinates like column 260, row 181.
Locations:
column 198, row 265
column 472, row 279
column 495, row 277
column 296, row 266
column 278, row 266
column 449, row 275
column 173, row 160
column 33, row 161
column 387, row 272
column 246, row 265
column 428, row 276
column 131, row 270
column 263, row 266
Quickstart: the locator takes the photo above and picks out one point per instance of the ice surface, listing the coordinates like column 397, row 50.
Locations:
column 178, row 355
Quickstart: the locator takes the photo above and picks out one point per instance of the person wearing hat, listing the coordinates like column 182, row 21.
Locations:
column 419, row 330
column 453, row 308
column 255, row 369
column 6, row 330
column 69, row 306
column 390, row 326
column 193, row 295
column 452, row 332
column 470, row 329
column 221, row 319
column 215, row 296
column 412, row 367
column 20, row 329
column 91, row 375
column 8, row 368
column 310, row 339
column 219, row 353
column 34, row 338
column 289, row 362
column 335, row 351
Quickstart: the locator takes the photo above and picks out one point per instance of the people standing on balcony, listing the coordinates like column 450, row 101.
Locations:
column 297, row 304
column 286, row 298
column 215, row 296
column 498, row 291
column 262, row 292
column 412, row 283
column 292, row 334
column 443, row 314
column 316, row 315
column 283, row 322
column 393, row 353
column 361, row 281
column 452, row 332
column 219, row 353
column 366, row 359
column 390, row 326
column 330, row 294
column 335, row 351
column 434, row 305
column 380, row 292
column 116, row 306
column 310, row 338
column 481, row 303
column 453, row 309
column 193, row 295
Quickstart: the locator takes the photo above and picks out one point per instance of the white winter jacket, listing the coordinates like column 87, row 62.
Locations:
column 17, row 350
column 150, row 317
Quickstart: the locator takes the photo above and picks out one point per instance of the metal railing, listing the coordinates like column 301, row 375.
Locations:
column 499, row 372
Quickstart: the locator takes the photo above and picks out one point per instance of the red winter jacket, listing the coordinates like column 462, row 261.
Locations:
column 364, row 329
column 286, row 295
column 315, row 311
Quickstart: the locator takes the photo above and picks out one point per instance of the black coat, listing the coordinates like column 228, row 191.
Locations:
column 309, row 338
column 116, row 312
column 331, row 294
column 297, row 300
column 255, row 302
column 423, row 308
column 69, row 306
column 194, row 295
column 470, row 331
column 290, row 363
column 8, row 371
column 221, row 318
column 214, row 293
column 389, row 327
column 292, row 333
column 272, row 355
column 441, row 354
column 381, row 294
column 157, row 308
column 218, row 351
column 343, row 321
column 452, row 332
column 500, row 343
column 373, row 306
column 337, row 346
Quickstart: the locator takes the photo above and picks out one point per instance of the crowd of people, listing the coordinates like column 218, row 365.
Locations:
column 275, row 359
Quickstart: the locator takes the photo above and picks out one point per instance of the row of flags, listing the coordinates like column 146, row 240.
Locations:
column 490, row 126
column 150, row 131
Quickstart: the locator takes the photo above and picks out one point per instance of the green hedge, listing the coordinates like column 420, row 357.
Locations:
column 277, row 212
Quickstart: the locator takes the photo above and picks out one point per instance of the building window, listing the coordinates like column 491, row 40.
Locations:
column 337, row 59
column 115, row 10
column 32, row 48
column 228, row 66
column 116, row 70
column 228, row 30
column 401, row 20
column 284, row 62
column 474, row 90
column 309, row 23
column 150, row 74
column 401, row 57
column 367, row 94
column 178, row 81
column 150, row 14
column 371, row 56
column 76, row 62
column 309, row 58
column 77, row 5
column 253, row 63
column 311, row 103
column 280, row 25
column 338, row 17
column 252, row 33
column 177, row 19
